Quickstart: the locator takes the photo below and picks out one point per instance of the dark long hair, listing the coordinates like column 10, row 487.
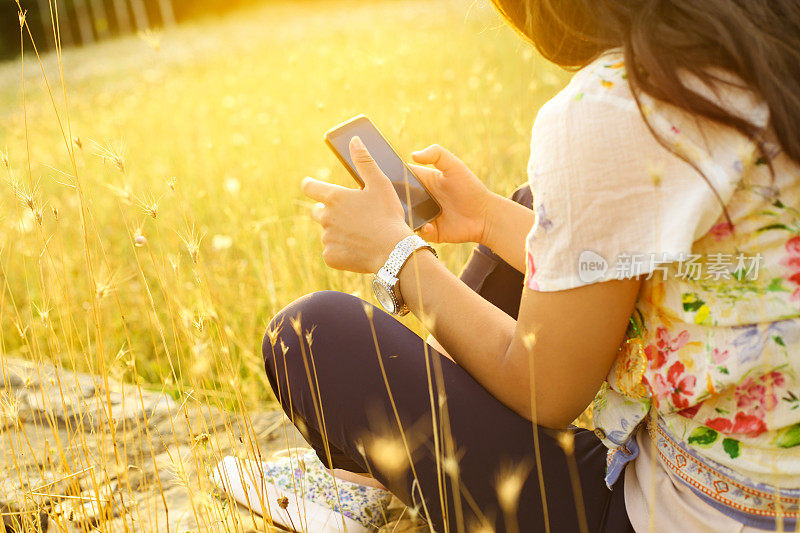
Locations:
column 757, row 40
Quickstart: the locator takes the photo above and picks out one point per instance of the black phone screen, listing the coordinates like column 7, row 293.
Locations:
column 410, row 191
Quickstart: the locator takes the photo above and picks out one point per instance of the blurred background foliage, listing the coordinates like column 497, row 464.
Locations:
column 85, row 21
column 151, row 220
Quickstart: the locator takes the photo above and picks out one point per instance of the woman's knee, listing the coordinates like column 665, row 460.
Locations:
column 306, row 312
column 318, row 312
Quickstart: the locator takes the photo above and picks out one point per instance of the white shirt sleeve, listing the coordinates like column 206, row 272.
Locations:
column 611, row 202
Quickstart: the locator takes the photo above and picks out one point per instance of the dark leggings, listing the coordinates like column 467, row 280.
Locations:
column 466, row 448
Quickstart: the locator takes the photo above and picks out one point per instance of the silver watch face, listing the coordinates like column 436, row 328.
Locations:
column 383, row 295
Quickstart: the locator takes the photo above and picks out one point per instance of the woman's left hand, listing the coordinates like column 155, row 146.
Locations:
column 360, row 226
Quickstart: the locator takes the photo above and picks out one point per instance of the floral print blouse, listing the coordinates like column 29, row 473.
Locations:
column 713, row 346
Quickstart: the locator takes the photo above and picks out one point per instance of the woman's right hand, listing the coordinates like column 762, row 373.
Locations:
column 464, row 199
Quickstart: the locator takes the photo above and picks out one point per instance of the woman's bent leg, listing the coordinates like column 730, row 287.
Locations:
column 370, row 395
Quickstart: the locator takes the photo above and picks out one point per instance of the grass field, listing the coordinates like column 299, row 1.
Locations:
column 151, row 220
column 189, row 147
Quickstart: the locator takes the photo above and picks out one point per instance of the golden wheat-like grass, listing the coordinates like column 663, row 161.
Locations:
column 151, row 224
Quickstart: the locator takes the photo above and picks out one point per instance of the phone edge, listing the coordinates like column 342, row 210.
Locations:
column 344, row 163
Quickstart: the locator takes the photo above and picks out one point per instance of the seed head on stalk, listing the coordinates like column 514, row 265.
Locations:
column 508, row 484
column 566, row 440
column 148, row 204
column 192, row 241
column 27, row 196
column 9, row 411
column 111, row 153
column 123, row 192
column 273, row 332
column 44, row 314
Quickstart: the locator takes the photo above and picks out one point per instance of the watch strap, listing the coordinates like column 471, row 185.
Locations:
column 402, row 251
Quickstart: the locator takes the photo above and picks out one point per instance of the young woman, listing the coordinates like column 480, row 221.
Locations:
column 662, row 281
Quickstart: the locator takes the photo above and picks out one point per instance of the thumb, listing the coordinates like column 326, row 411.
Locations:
column 439, row 157
column 366, row 166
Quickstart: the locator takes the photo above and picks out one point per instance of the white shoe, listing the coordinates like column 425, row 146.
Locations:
column 297, row 492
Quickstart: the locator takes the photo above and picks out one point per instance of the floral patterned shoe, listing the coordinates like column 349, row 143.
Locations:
column 298, row 493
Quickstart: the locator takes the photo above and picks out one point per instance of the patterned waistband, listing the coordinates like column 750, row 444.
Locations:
column 752, row 504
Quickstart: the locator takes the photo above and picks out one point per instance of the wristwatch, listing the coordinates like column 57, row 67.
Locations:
column 386, row 285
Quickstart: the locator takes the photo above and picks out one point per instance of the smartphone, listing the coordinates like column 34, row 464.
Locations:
column 419, row 205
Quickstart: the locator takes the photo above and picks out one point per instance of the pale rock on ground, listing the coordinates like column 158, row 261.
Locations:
column 67, row 466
